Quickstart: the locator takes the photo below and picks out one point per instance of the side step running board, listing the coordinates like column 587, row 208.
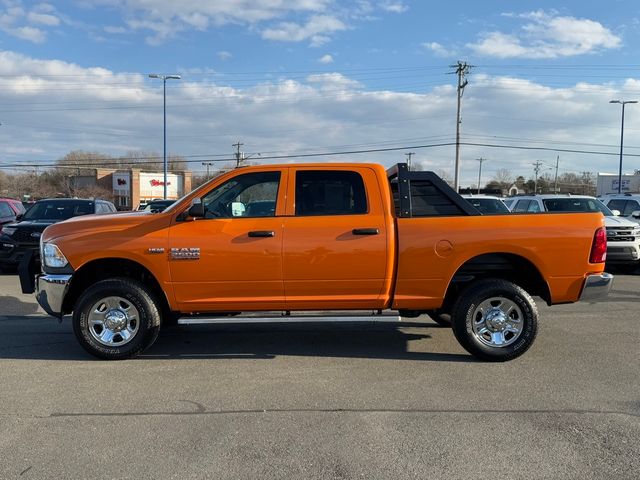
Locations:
column 287, row 319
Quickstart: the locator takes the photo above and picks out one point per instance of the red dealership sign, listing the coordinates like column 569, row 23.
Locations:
column 157, row 183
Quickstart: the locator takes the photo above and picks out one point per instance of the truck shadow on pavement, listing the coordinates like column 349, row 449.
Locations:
column 45, row 339
column 10, row 304
column 383, row 341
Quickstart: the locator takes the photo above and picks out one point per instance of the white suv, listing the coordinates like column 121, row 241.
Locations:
column 623, row 235
column 628, row 204
column 487, row 204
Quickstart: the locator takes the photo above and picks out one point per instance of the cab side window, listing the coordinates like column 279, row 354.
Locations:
column 327, row 192
column 250, row 195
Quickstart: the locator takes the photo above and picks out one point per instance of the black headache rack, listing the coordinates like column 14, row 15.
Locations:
column 425, row 194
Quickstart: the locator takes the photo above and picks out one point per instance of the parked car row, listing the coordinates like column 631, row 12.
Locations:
column 22, row 234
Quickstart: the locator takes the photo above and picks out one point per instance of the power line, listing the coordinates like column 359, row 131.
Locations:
column 201, row 157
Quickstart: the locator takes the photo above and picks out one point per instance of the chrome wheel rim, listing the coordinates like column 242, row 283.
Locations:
column 497, row 322
column 113, row 321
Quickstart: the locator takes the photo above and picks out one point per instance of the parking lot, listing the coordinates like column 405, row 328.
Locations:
column 324, row 401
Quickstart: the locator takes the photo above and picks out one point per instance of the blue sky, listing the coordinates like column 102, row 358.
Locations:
column 309, row 76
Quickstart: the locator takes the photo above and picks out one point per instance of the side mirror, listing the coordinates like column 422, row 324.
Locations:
column 616, row 213
column 197, row 209
column 635, row 214
column 19, row 217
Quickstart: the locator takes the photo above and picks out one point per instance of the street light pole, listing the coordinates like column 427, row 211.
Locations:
column 623, row 103
column 480, row 171
column 164, row 79
column 207, row 164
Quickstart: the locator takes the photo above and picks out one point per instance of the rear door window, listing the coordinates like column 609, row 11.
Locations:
column 329, row 192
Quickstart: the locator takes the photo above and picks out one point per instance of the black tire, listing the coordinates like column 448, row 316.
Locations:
column 441, row 317
column 134, row 295
column 468, row 321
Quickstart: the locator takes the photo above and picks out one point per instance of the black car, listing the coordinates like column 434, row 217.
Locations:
column 23, row 236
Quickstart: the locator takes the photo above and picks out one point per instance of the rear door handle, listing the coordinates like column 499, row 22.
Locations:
column 365, row 231
column 262, row 233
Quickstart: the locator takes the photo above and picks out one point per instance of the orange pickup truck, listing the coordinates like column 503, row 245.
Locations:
column 341, row 237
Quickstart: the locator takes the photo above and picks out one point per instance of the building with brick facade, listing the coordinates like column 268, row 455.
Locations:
column 133, row 186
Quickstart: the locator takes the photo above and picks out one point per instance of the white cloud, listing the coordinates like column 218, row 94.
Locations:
column 166, row 18
column 115, row 29
column 224, row 55
column 43, row 19
column 547, row 35
column 335, row 81
column 117, row 112
column 19, row 23
column 279, row 20
column 326, row 59
column 438, row 49
column 316, row 30
column 394, row 6
column 32, row 34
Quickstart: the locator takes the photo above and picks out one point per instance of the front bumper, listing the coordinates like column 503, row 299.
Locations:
column 50, row 292
column 596, row 287
column 622, row 254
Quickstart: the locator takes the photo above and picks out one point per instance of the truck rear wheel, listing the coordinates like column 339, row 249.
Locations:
column 116, row 319
column 495, row 320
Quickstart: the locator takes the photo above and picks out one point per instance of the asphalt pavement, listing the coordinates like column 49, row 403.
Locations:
column 324, row 401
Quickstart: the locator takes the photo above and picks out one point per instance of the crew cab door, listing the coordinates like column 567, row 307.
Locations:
column 336, row 240
column 231, row 259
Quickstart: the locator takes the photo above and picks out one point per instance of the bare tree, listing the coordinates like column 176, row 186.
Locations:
column 445, row 175
column 503, row 178
column 79, row 162
column 149, row 160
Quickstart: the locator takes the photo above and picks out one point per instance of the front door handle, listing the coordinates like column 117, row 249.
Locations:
column 262, row 233
column 365, row 231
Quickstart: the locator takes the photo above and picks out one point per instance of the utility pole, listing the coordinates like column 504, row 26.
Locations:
column 555, row 183
column 461, row 69
column 536, row 169
column 409, row 155
column 480, row 171
column 238, row 154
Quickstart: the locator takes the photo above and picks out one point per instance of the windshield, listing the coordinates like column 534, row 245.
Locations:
column 158, row 205
column 57, row 210
column 576, row 205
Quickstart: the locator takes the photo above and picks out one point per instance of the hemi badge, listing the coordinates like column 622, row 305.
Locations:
column 191, row 253
column 156, row 250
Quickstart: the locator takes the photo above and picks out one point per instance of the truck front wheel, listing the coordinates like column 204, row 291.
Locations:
column 116, row 319
column 495, row 320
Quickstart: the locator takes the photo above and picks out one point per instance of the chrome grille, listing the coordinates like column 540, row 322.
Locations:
column 620, row 234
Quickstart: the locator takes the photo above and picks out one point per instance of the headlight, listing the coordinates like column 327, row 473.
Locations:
column 52, row 256
column 8, row 230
